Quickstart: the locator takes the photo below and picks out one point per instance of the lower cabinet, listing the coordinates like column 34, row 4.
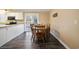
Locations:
column 8, row 33
column 2, row 36
column 14, row 31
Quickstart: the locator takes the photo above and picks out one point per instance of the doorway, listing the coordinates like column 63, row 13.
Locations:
column 31, row 18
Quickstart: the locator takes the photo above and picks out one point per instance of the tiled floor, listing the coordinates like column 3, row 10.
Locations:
column 24, row 41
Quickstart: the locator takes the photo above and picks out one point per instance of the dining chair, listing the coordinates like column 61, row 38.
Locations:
column 33, row 31
column 40, row 33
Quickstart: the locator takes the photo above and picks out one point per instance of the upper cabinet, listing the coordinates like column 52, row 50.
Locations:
column 18, row 15
column 2, row 16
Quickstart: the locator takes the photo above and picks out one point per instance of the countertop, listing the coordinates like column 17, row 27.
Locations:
column 3, row 25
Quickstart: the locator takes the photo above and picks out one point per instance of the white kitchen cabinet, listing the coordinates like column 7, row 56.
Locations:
column 14, row 31
column 10, row 32
column 2, row 36
column 18, row 15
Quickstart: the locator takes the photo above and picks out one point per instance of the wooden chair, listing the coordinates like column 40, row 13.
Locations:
column 33, row 31
column 40, row 33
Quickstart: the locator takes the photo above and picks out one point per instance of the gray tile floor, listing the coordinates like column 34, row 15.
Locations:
column 24, row 41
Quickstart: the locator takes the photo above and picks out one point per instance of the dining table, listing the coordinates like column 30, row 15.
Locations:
column 40, row 31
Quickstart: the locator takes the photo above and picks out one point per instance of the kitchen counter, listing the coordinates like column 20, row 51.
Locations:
column 9, row 32
column 3, row 25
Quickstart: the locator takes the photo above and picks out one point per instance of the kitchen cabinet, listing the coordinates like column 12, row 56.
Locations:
column 10, row 32
column 18, row 16
column 14, row 31
column 2, row 36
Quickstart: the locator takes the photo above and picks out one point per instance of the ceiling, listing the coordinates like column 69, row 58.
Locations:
column 28, row 10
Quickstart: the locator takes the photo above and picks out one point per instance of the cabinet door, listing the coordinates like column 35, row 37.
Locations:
column 18, row 16
column 2, row 36
column 11, row 32
column 14, row 31
column 8, row 33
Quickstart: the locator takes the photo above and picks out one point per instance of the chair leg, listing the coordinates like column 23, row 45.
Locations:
column 31, row 37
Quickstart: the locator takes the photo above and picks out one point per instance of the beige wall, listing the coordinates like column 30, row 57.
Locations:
column 66, row 26
column 44, row 17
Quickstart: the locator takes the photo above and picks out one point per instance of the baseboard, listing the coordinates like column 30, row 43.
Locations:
column 60, row 40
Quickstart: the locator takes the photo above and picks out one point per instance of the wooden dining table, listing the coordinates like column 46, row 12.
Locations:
column 39, row 31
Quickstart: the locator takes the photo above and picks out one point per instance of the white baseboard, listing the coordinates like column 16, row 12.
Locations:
column 60, row 40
